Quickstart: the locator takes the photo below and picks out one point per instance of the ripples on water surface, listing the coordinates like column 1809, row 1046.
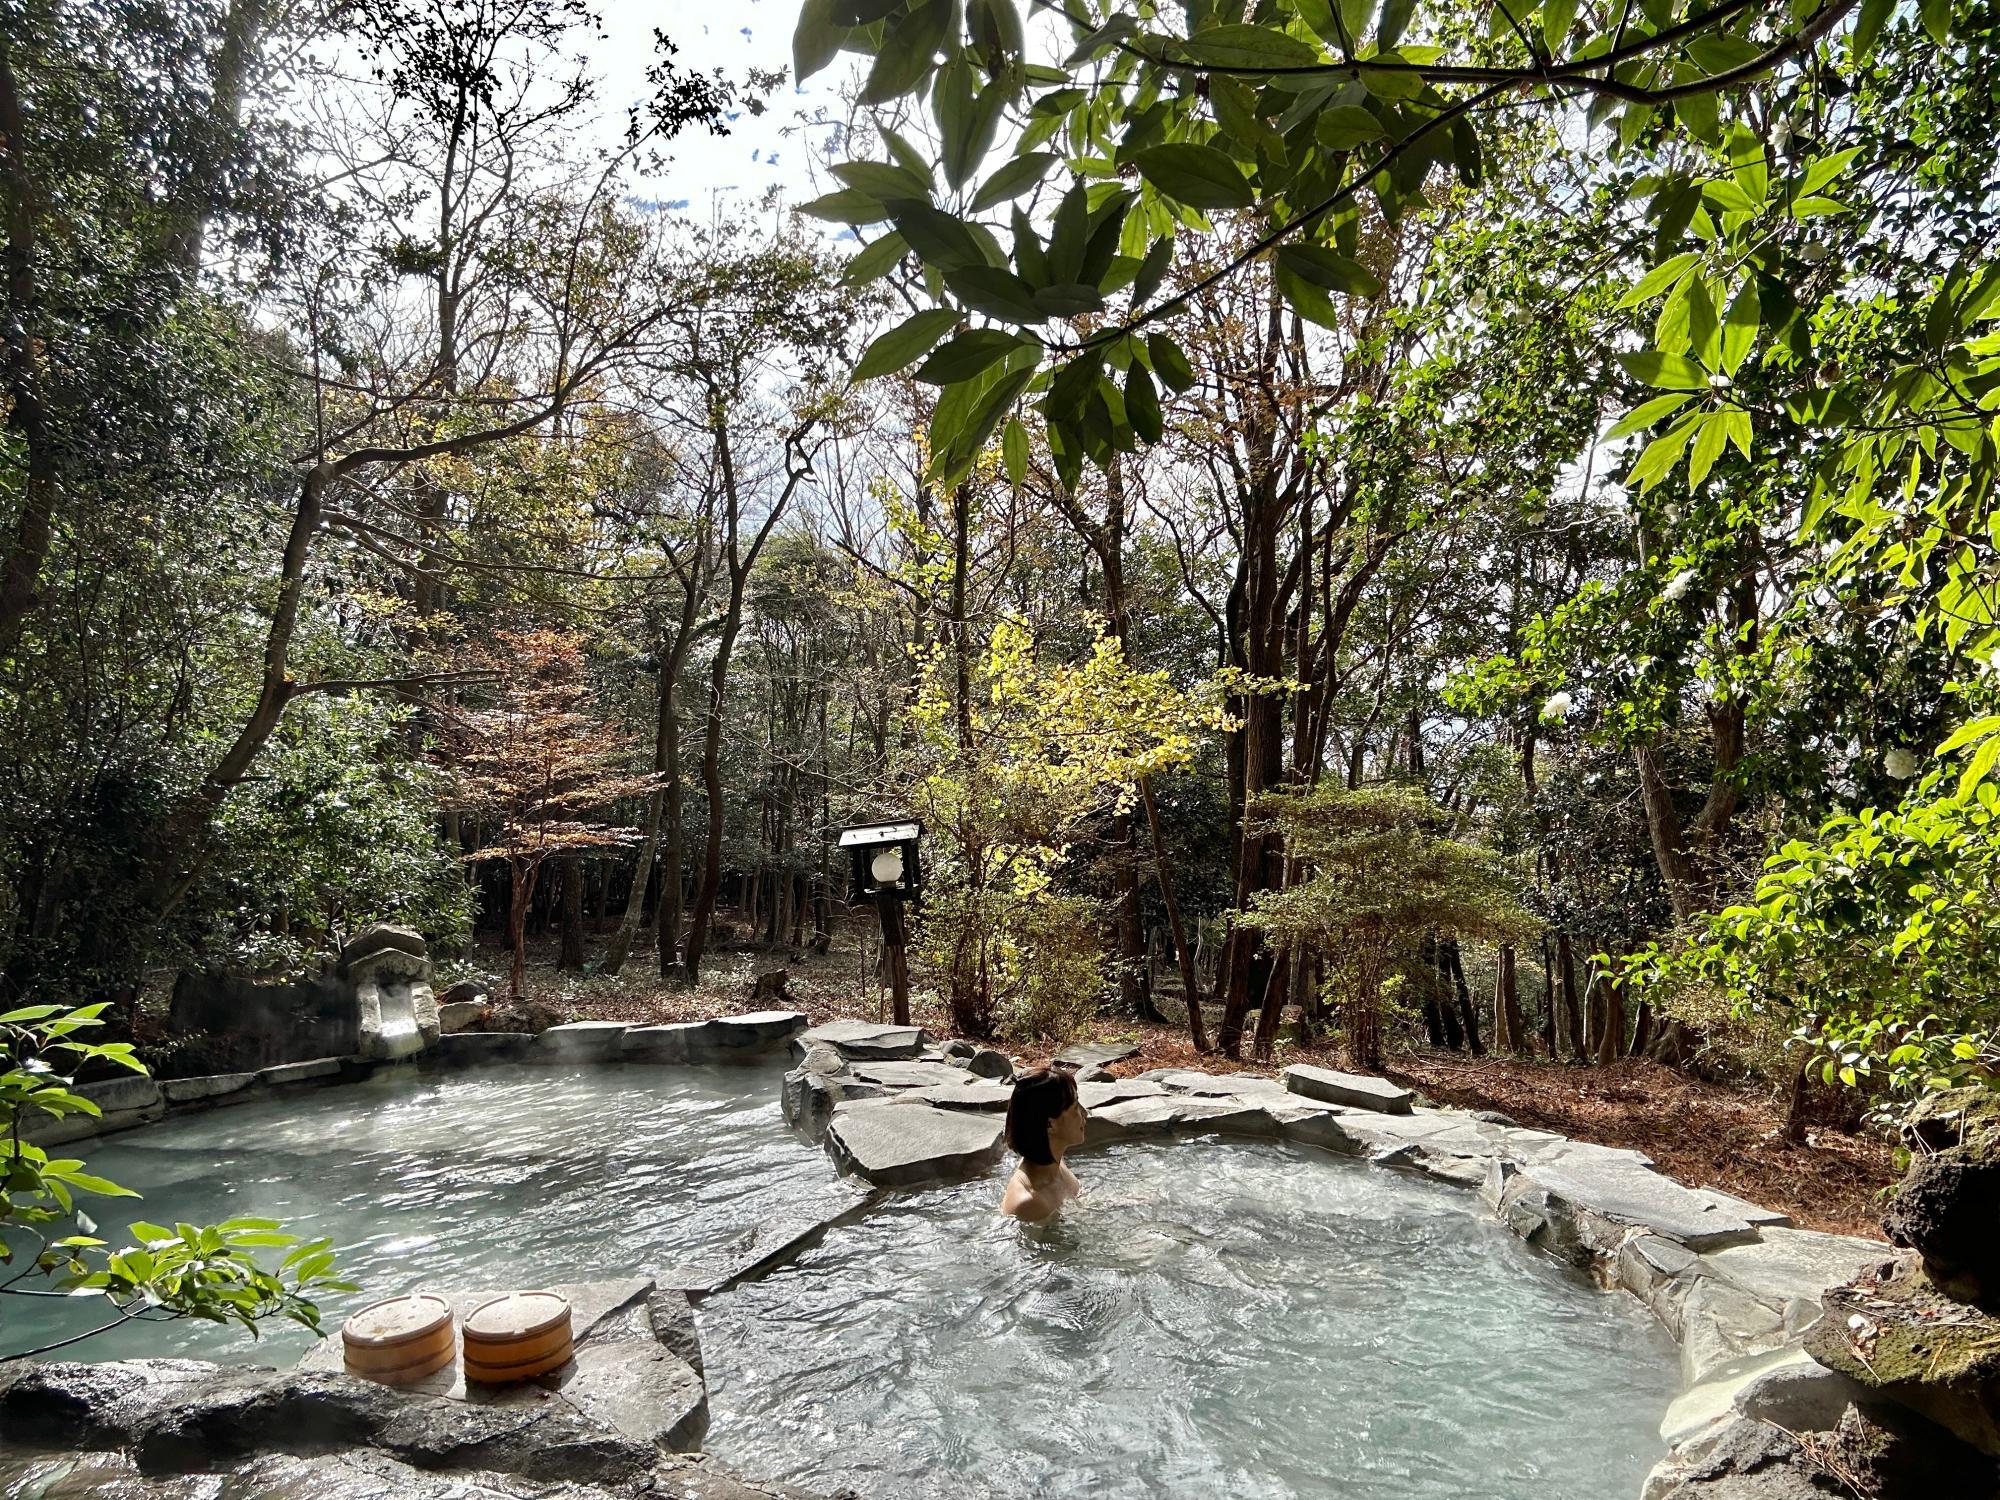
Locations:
column 508, row 1175
column 1229, row 1320
column 1234, row 1320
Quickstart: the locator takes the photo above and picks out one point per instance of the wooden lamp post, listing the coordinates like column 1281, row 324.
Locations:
column 888, row 868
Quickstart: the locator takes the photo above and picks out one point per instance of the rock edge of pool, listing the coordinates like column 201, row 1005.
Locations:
column 1736, row 1285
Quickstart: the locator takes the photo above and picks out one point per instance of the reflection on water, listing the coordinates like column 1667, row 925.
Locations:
column 505, row 1176
column 1210, row 1320
column 1225, row 1320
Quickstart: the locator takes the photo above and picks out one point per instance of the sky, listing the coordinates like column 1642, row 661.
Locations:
column 759, row 152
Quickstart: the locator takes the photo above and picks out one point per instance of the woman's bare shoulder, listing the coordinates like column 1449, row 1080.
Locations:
column 1023, row 1202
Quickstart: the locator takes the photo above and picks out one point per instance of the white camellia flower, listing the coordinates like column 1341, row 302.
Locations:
column 1558, row 706
column 1679, row 584
column 1900, row 764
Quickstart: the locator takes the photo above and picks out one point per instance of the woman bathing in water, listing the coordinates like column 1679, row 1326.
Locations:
column 1044, row 1120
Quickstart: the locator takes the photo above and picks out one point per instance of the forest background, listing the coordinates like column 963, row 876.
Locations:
column 1329, row 565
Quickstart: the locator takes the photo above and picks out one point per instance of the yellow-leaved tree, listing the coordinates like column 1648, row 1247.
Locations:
column 1016, row 761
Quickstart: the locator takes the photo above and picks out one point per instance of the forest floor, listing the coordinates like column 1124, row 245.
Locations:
column 1722, row 1135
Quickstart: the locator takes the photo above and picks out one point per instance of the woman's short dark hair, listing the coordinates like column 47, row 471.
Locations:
column 1039, row 1097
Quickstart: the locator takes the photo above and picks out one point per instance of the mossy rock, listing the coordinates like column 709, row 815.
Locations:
column 1892, row 1330
column 1947, row 1207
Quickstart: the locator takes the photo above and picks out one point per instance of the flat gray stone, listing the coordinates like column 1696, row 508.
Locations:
column 1097, row 1095
column 582, row 1041
column 1309, row 1123
column 989, row 1062
column 671, row 1043
column 896, row 1144
column 464, row 1048
column 1702, row 1404
column 973, row 1093
column 1743, row 1208
column 208, row 1086
column 1796, row 1264
column 809, row 1098
column 751, row 1033
column 1627, row 1194
column 1248, row 1086
column 118, row 1095
column 1357, row 1090
column 1381, row 1136
column 863, row 1040
column 1176, row 1115
column 1724, row 1329
column 300, row 1072
column 908, row 1075
column 1096, row 1054
column 459, row 1015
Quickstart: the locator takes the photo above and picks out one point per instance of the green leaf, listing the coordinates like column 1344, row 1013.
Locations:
column 1152, row 270
column 1557, row 18
column 1014, row 178
column 909, row 45
column 1142, row 404
column 816, row 39
column 29, row 1013
column 937, row 237
column 1936, row 16
column 1014, row 451
column 1662, row 277
column 845, row 207
column 968, row 354
column 1238, row 46
column 1330, row 270
column 1345, row 126
column 1739, row 327
column 1199, row 176
column 1395, row 21
column 996, row 293
column 1639, row 419
column 1874, row 15
column 1169, row 363
column 1071, row 299
column 1673, row 372
column 1709, row 440
column 907, row 341
column 881, row 181
column 995, row 24
column 967, row 413
column 876, row 260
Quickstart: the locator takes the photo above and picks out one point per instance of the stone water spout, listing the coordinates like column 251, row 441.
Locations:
column 389, row 970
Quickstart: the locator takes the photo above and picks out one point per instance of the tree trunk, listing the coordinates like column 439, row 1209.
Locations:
column 1507, row 1030
column 521, row 892
column 571, row 959
column 1572, row 1008
column 1468, row 1014
column 1611, row 1021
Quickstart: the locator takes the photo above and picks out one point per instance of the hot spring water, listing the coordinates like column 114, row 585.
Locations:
column 1228, row 1319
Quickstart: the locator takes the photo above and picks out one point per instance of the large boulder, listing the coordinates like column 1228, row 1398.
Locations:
column 861, row 1041
column 1947, row 1207
column 905, row 1143
column 521, row 1015
column 1355, row 1090
column 1893, row 1330
column 1096, row 1054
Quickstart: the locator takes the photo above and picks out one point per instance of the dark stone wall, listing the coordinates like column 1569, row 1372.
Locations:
column 257, row 1025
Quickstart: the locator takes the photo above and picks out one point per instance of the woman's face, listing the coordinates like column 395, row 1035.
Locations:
column 1066, row 1129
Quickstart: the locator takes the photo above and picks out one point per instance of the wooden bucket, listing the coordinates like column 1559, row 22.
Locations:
column 517, row 1336
column 399, row 1340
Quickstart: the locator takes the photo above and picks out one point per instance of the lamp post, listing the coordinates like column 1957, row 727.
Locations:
column 887, row 866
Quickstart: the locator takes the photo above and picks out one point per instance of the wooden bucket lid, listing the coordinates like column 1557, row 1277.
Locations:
column 516, row 1315
column 397, row 1320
